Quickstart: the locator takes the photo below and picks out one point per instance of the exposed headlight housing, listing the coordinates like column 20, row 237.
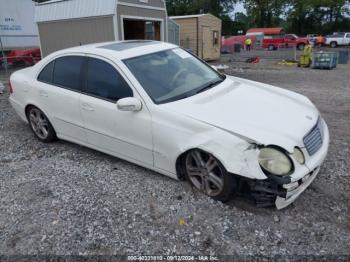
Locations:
column 275, row 161
column 298, row 155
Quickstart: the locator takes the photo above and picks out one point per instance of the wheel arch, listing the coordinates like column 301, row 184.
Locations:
column 32, row 104
column 241, row 160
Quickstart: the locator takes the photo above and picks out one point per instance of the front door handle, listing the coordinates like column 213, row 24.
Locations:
column 87, row 107
column 43, row 93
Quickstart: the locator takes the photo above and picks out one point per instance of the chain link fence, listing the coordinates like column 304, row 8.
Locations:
column 10, row 64
column 282, row 52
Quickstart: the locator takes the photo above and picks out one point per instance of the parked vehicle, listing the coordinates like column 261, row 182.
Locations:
column 338, row 39
column 316, row 40
column 311, row 37
column 289, row 40
column 24, row 57
column 158, row 106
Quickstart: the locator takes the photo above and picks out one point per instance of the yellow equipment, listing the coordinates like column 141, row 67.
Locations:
column 306, row 58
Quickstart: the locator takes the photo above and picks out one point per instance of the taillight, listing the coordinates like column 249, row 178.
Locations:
column 10, row 88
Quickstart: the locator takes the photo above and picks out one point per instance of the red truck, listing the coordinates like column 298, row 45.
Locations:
column 22, row 57
column 288, row 40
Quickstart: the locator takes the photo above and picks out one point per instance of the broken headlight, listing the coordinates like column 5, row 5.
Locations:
column 274, row 161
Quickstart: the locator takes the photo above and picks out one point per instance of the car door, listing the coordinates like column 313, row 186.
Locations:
column 289, row 40
column 347, row 39
column 59, row 88
column 124, row 134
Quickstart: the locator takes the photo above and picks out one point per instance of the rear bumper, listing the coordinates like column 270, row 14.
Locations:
column 19, row 109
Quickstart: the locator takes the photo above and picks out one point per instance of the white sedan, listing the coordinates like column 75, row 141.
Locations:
column 158, row 106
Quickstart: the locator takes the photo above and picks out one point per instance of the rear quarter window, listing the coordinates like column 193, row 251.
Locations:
column 47, row 73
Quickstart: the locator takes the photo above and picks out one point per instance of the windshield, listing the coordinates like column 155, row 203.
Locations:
column 172, row 75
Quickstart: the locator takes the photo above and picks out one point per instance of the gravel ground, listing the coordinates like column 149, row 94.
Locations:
column 62, row 198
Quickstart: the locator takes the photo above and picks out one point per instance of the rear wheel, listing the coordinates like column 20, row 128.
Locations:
column 301, row 47
column 208, row 175
column 271, row 47
column 334, row 44
column 40, row 125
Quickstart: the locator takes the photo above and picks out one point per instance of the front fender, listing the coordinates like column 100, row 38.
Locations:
column 237, row 155
column 174, row 135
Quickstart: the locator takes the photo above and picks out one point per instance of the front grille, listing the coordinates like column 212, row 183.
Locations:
column 313, row 140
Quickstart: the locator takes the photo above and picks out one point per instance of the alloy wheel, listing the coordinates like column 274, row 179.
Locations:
column 205, row 172
column 39, row 123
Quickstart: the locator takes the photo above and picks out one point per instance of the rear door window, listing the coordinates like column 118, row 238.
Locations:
column 67, row 72
column 104, row 81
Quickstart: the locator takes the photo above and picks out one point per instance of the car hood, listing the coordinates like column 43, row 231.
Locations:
column 257, row 112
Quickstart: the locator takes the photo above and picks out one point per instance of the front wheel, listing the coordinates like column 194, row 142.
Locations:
column 209, row 176
column 40, row 125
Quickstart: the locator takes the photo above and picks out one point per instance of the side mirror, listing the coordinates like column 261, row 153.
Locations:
column 129, row 104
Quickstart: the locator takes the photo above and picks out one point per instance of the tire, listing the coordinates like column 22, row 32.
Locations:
column 301, row 47
column 271, row 48
column 334, row 44
column 40, row 125
column 206, row 174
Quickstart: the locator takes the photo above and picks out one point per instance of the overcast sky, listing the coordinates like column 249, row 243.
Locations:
column 240, row 8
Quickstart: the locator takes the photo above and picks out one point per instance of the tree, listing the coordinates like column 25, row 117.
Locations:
column 318, row 16
column 220, row 8
column 265, row 13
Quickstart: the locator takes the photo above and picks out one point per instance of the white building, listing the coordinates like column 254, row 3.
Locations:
column 17, row 26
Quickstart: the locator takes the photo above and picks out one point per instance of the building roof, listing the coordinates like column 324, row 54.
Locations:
column 186, row 16
column 62, row 9
column 267, row 31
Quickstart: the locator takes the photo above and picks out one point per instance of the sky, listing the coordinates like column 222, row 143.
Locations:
column 239, row 8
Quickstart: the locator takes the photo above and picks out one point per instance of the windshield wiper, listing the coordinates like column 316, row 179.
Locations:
column 210, row 85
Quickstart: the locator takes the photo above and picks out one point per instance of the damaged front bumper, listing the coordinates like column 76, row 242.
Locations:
column 282, row 191
column 278, row 192
column 295, row 189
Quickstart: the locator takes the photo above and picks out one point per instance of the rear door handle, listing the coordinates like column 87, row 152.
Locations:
column 87, row 107
column 43, row 93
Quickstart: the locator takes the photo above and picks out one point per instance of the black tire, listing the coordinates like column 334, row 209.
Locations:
column 40, row 125
column 271, row 48
column 301, row 47
column 228, row 181
column 334, row 44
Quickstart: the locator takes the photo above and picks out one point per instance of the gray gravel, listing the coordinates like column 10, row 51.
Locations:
column 62, row 198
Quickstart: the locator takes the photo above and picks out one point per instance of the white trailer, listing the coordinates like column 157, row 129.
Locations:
column 17, row 27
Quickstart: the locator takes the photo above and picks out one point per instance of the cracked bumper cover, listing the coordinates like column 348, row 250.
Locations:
column 282, row 191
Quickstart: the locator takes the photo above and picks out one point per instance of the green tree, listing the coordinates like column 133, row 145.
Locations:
column 318, row 16
column 265, row 13
column 220, row 8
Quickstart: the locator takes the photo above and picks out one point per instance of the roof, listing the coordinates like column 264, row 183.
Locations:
column 62, row 9
column 192, row 16
column 267, row 31
column 126, row 45
column 186, row 16
column 118, row 49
